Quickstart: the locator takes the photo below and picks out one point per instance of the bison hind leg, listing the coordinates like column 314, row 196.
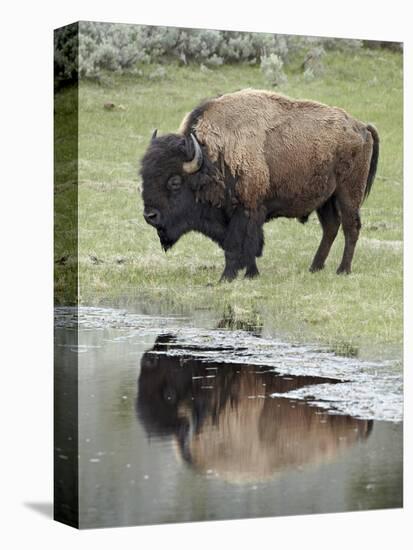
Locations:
column 329, row 218
column 351, row 230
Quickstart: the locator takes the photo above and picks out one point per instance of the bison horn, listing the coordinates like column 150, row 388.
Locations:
column 195, row 164
column 154, row 134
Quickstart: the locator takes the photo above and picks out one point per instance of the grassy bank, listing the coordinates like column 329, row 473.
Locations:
column 120, row 255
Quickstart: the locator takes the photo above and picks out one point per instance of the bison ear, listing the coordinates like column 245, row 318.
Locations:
column 154, row 134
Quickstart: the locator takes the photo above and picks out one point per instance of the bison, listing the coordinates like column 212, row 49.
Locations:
column 244, row 158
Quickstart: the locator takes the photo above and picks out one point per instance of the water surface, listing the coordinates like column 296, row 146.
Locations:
column 178, row 423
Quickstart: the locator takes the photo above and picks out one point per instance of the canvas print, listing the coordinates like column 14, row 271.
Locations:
column 228, row 275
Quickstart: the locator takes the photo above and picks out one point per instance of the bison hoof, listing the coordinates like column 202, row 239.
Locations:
column 227, row 277
column 316, row 267
column 343, row 271
column 251, row 273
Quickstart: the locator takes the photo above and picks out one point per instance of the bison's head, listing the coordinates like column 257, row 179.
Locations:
column 168, row 172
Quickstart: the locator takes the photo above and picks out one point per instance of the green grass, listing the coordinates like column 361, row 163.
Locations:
column 120, row 255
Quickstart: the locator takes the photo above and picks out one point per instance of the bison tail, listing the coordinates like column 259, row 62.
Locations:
column 374, row 159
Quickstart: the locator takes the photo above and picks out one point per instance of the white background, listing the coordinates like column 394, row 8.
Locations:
column 26, row 218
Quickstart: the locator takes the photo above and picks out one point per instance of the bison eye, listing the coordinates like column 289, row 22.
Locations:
column 174, row 183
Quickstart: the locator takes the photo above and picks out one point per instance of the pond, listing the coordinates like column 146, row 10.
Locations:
column 180, row 422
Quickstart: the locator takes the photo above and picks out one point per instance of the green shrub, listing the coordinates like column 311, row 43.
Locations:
column 117, row 47
column 313, row 63
column 272, row 68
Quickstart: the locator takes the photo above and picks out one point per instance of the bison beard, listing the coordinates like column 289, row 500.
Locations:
column 245, row 158
column 166, row 243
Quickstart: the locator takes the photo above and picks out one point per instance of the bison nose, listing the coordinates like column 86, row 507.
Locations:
column 152, row 216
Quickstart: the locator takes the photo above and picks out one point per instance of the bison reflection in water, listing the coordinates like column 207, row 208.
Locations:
column 247, row 157
column 224, row 422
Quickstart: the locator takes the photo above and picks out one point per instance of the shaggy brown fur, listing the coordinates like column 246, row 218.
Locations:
column 271, row 144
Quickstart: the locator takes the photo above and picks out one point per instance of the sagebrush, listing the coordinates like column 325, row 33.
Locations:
column 124, row 48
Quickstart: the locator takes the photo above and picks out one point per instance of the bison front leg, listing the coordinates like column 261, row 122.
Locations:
column 233, row 263
column 252, row 270
column 243, row 242
column 232, row 266
column 253, row 248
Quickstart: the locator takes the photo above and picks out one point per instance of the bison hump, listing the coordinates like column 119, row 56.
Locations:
column 235, row 128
